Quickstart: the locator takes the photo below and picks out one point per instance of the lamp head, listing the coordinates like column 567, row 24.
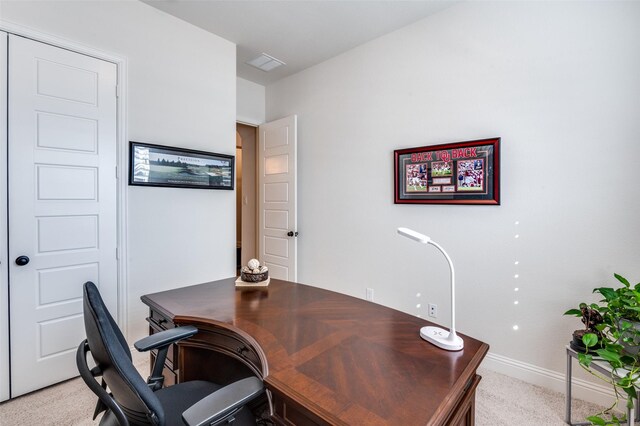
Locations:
column 413, row 235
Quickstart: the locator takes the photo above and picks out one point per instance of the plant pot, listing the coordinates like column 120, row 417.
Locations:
column 577, row 345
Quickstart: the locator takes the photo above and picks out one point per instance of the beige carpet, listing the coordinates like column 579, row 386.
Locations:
column 501, row 401
column 67, row 403
column 505, row 401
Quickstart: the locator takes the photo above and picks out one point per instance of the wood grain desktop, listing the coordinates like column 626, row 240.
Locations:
column 326, row 358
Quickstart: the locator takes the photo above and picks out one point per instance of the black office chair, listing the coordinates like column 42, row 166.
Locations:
column 131, row 401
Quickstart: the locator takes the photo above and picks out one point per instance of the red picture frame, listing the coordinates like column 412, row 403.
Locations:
column 454, row 173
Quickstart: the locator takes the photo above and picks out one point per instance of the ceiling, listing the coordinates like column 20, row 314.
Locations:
column 299, row 33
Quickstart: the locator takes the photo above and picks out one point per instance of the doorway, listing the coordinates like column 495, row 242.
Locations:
column 246, row 150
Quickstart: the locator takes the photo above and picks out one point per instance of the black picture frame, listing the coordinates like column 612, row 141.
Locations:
column 453, row 173
column 166, row 166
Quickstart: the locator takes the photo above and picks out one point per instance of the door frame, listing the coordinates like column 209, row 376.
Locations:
column 121, row 175
column 255, row 186
column 4, row 249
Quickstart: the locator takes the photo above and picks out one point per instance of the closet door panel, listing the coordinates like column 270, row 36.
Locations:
column 62, row 204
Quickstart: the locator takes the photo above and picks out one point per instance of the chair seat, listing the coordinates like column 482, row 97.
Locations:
column 178, row 398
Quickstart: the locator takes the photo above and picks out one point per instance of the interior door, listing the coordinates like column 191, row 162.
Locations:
column 277, row 208
column 62, row 204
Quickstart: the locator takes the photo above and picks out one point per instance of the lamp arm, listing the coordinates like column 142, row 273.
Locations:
column 452, row 331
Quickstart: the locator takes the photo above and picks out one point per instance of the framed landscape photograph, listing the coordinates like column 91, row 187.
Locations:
column 158, row 165
column 455, row 173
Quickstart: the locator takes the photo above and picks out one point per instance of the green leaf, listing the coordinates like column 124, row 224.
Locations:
column 597, row 420
column 600, row 327
column 623, row 280
column 627, row 359
column 614, row 347
column 585, row 359
column 631, row 391
column 589, row 340
column 624, row 382
column 607, row 292
column 612, row 357
column 575, row 312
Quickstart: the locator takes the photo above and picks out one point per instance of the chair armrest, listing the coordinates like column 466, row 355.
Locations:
column 223, row 402
column 165, row 338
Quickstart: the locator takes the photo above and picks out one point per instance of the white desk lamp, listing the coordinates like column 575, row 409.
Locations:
column 440, row 337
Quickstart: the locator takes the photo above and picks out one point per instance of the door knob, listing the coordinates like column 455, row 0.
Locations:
column 292, row 234
column 22, row 260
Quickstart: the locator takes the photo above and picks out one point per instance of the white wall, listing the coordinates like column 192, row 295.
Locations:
column 181, row 92
column 251, row 102
column 558, row 81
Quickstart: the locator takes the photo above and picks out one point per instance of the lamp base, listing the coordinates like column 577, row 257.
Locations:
column 440, row 337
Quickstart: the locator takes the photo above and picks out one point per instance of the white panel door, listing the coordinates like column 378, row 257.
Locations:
column 62, row 204
column 4, row 283
column 277, row 208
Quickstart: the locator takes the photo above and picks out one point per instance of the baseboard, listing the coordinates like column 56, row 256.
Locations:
column 582, row 389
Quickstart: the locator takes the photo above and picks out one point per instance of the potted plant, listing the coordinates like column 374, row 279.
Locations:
column 612, row 334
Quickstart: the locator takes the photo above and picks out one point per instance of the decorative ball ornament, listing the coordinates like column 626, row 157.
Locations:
column 253, row 264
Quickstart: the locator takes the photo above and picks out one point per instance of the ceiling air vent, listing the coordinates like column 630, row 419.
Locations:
column 265, row 62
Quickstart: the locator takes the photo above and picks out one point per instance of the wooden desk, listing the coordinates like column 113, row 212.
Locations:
column 326, row 358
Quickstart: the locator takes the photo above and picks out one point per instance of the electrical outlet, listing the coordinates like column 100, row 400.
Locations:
column 433, row 310
column 370, row 294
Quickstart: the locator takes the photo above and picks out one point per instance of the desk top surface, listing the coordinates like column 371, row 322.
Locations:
column 352, row 361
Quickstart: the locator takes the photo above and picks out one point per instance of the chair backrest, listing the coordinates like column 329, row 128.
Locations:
column 111, row 353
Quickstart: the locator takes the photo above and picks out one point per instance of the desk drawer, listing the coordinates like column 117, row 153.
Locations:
column 464, row 414
column 160, row 320
column 236, row 345
column 172, row 353
column 158, row 323
column 222, row 340
column 291, row 414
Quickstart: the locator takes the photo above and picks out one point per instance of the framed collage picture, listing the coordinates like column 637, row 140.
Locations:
column 455, row 173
